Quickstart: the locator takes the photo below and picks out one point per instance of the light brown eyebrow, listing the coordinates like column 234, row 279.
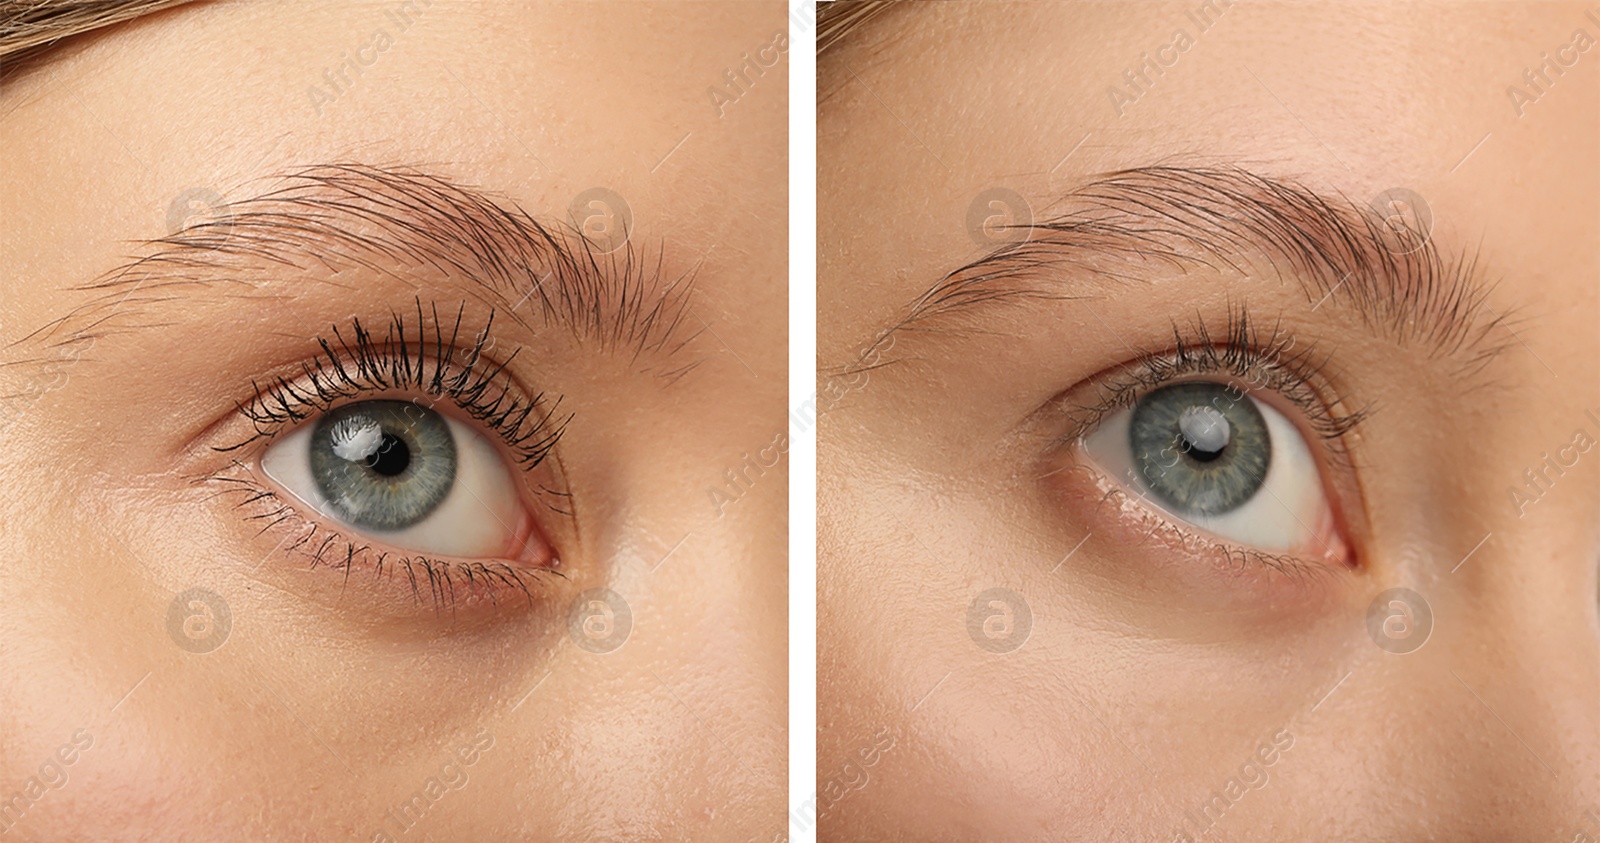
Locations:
column 1342, row 255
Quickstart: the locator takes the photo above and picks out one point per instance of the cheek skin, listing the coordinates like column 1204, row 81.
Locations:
column 999, row 762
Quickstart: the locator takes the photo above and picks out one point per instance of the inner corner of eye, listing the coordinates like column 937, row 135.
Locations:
column 1208, row 454
column 409, row 477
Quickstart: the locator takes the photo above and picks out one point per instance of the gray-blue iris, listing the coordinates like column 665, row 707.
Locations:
column 383, row 465
column 1201, row 448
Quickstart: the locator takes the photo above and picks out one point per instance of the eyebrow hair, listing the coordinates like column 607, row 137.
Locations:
column 1341, row 253
column 397, row 222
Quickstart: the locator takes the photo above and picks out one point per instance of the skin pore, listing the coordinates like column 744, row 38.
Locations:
column 1130, row 682
column 316, row 197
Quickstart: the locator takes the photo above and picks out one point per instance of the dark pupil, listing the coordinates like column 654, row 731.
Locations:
column 391, row 458
column 383, row 465
column 1196, row 453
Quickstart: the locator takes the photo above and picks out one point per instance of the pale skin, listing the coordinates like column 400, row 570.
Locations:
column 330, row 704
column 1149, row 680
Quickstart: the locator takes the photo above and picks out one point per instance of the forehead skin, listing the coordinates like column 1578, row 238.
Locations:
column 1084, row 734
column 291, row 727
column 1373, row 97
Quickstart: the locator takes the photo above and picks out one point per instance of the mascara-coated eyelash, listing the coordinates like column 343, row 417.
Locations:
column 1275, row 363
column 352, row 366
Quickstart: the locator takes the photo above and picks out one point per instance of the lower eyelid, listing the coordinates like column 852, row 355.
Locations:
column 1138, row 541
column 291, row 542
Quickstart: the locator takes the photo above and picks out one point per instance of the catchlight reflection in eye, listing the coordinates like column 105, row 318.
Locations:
column 1209, row 454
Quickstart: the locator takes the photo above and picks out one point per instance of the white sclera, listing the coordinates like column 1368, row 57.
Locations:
column 1279, row 518
column 477, row 519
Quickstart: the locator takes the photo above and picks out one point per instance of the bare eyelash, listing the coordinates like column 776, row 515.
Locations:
column 351, row 366
column 1235, row 556
column 1273, row 362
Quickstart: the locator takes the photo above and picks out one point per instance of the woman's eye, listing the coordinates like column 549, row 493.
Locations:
column 1210, row 454
column 405, row 475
